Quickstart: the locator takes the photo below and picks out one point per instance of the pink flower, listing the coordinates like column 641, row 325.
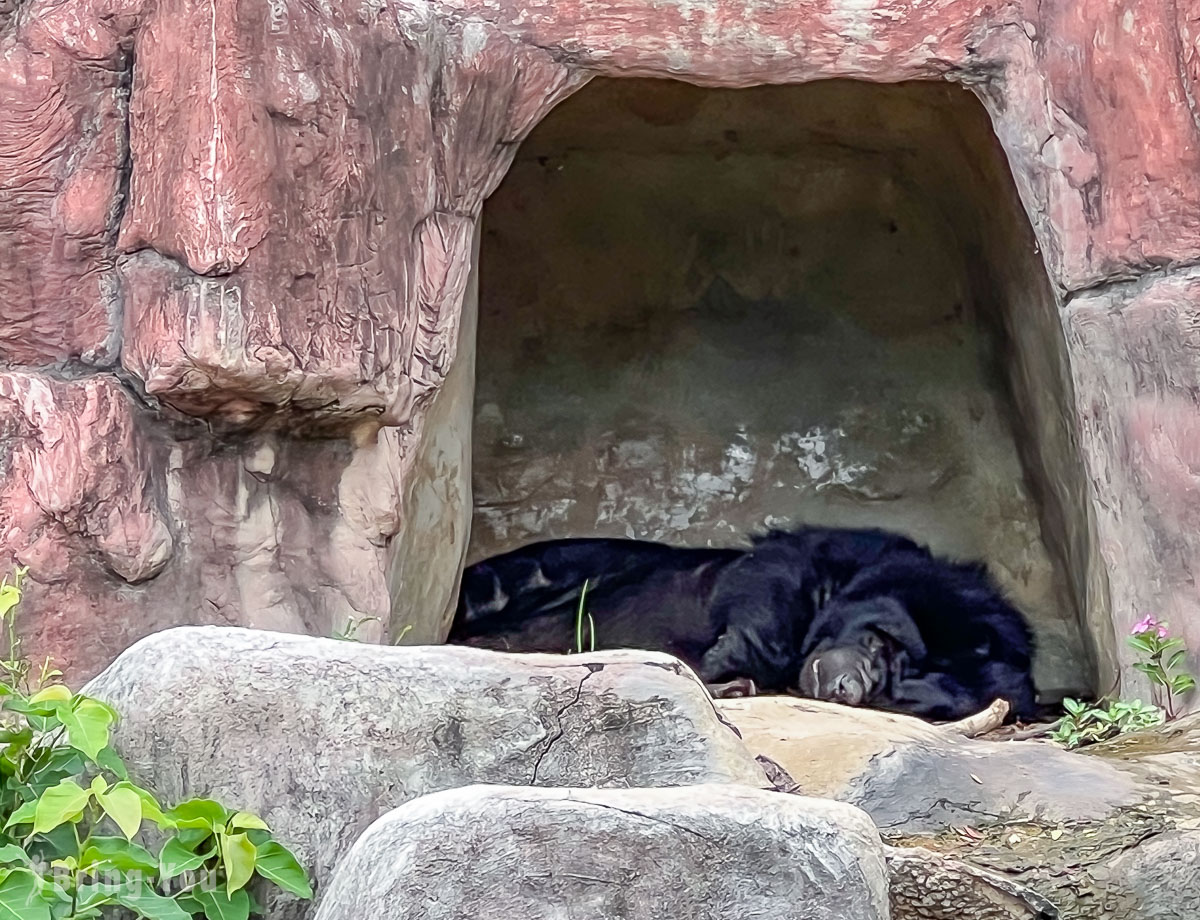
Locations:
column 1145, row 625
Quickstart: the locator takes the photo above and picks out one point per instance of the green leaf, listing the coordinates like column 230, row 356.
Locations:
column 256, row 908
column 277, row 864
column 151, row 810
column 120, row 854
column 110, row 760
column 1074, row 707
column 199, row 813
column 21, row 897
column 237, row 855
column 17, row 703
column 1182, row 683
column 57, row 844
column 93, row 895
column 137, row 896
column 64, row 758
column 53, row 894
column 194, row 837
column 220, row 905
column 1174, row 660
column 58, row 805
column 124, row 806
column 245, row 821
column 176, row 858
column 24, row 815
column 1142, row 644
column 87, row 722
column 146, row 902
column 21, row 737
column 11, row 853
column 57, row 692
column 10, row 596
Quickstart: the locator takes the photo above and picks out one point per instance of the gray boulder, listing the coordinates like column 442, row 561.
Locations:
column 914, row 778
column 321, row 737
column 713, row 851
column 1162, row 876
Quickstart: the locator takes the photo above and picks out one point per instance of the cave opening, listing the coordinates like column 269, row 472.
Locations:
column 706, row 311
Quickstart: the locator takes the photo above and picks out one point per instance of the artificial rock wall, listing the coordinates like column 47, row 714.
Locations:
column 236, row 240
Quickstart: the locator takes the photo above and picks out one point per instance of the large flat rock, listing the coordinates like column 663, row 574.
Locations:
column 913, row 777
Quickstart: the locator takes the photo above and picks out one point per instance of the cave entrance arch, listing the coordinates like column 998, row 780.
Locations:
column 706, row 310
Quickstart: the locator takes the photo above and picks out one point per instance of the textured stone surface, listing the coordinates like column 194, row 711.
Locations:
column 701, row 853
column 924, row 885
column 128, row 531
column 261, row 242
column 321, row 737
column 916, row 778
column 1106, row 834
column 1136, row 372
column 78, row 478
column 1164, row 874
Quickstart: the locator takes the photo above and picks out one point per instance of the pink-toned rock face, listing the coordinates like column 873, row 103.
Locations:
column 255, row 218
column 1134, row 348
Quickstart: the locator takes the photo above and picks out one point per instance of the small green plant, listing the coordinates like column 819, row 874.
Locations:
column 1088, row 724
column 1165, row 655
column 72, row 820
column 579, row 618
column 1162, row 662
column 349, row 632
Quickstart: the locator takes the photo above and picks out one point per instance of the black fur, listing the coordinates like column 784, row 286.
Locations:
column 937, row 638
column 940, row 634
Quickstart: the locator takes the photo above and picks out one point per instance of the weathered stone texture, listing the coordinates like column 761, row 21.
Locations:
column 321, row 737
column 701, row 853
column 1134, row 359
column 61, row 145
column 78, row 479
column 1108, row 833
column 911, row 777
column 263, row 213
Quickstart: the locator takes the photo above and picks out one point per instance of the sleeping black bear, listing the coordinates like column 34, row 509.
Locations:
column 859, row 616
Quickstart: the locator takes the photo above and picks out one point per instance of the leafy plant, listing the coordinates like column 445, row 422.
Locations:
column 71, row 820
column 591, row 624
column 1163, row 665
column 1087, row 724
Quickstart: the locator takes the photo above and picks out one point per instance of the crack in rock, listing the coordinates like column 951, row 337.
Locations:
column 559, row 730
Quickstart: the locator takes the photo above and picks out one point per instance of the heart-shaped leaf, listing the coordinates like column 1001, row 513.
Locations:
column 238, row 855
column 125, row 808
column 220, row 905
column 87, row 722
column 58, row 805
column 176, row 858
column 276, row 863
